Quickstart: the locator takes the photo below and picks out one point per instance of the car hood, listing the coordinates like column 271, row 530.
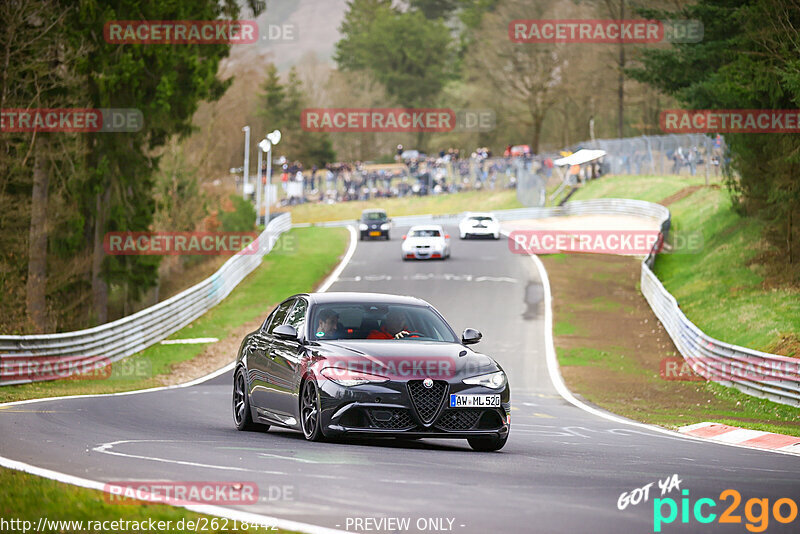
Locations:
column 406, row 360
column 430, row 241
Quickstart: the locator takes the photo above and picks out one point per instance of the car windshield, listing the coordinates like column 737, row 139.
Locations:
column 424, row 233
column 379, row 321
column 374, row 216
column 480, row 218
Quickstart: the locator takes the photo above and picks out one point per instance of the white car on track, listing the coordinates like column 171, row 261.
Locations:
column 479, row 225
column 424, row 242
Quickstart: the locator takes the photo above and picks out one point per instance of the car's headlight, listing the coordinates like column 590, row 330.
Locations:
column 346, row 377
column 385, row 226
column 362, row 227
column 494, row 380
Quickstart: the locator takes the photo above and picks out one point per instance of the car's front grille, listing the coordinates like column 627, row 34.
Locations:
column 461, row 419
column 427, row 401
column 390, row 418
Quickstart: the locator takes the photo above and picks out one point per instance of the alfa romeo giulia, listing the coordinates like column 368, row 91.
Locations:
column 334, row 365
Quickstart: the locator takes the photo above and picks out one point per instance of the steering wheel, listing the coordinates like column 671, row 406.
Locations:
column 410, row 333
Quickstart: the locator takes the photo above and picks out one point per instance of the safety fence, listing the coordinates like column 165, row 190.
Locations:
column 688, row 154
column 50, row 356
column 756, row 373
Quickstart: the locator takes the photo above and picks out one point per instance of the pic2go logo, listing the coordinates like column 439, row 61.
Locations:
column 756, row 511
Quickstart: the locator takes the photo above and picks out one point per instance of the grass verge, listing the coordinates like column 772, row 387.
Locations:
column 299, row 261
column 27, row 497
column 497, row 199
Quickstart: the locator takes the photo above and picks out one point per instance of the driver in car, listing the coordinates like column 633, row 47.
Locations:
column 328, row 326
column 394, row 326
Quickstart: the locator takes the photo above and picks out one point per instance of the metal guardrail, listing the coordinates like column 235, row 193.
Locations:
column 753, row 372
column 50, row 356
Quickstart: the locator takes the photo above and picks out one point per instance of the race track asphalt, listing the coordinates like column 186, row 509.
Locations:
column 562, row 470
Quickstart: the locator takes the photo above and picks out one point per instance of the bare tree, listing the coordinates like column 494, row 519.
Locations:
column 524, row 76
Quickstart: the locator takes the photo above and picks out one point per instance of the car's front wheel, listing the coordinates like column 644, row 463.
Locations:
column 487, row 444
column 310, row 412
column 242, row 417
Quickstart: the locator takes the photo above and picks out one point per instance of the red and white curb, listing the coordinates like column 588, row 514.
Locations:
column 743, row 437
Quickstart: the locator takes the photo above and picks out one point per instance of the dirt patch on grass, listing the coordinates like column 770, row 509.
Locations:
column 680, row 195
column 787, row 345
column 613, row 355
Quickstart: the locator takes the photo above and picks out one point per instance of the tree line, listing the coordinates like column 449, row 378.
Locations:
column 61, row 192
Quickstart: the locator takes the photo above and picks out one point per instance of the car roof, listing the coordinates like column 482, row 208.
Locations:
column 373, row 210
column 427, row 227
column 357, row 297
column 479, row 214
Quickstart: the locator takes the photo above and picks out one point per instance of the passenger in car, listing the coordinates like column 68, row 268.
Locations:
column 395, row 326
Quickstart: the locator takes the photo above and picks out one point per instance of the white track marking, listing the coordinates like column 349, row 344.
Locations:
column 219, row 511
column 202, row 509
column 106, row 448
column 342, row 264
column 561, row 388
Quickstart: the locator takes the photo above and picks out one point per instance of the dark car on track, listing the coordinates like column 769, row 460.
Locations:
column 374, row 223
column 334, row 365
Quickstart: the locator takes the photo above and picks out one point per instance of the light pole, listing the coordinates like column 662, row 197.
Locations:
column 246, row 131
column 263, row 146
column 273, row 138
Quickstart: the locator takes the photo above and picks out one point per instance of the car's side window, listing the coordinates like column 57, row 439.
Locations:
column 280, row 315
column 297, row 318
column 266, row 322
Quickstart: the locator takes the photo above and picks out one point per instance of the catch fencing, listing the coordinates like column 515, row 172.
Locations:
column 688, row 154
column 49, row 356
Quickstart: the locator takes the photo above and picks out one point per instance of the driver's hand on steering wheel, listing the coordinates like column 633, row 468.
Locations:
column 401, row 334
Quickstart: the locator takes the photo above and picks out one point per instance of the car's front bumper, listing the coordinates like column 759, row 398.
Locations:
column 373, row 234
column 353, row 411
column 423, row 254
column 480, row 232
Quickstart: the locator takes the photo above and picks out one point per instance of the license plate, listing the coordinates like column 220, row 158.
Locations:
column 374, row 234
column 474, row 401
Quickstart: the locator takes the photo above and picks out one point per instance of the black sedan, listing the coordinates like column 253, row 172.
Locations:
column 334, row 365
column 374, row 223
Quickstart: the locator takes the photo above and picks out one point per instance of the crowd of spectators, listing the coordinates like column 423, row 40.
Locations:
column 412, row 173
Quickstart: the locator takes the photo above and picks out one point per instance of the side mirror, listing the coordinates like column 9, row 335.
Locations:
column 469, row 337
column 285, row 331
